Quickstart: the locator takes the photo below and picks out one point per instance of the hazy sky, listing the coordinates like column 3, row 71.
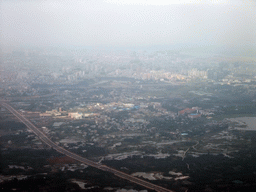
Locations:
column 127, row 22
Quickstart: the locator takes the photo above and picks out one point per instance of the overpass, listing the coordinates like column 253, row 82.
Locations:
column 79, row 158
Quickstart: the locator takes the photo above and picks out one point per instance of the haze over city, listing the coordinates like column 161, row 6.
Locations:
column 128, row 96
column 128, row 23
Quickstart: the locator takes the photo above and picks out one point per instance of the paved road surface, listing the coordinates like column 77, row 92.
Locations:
column 62, row 150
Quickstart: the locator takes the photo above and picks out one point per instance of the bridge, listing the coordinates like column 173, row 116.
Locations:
column 79, row 158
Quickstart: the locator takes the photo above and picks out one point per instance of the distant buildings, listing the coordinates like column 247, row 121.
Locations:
column 75, row 115
column 197, row 73
column 192, row 113
column 186, row 111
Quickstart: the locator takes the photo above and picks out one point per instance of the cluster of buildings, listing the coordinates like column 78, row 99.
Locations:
column 190, row 112
column 197, row 73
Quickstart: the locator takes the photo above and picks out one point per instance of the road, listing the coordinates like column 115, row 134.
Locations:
column 184, row 155
column 79, row 158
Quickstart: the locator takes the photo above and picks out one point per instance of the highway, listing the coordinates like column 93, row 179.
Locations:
column 79, row 158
